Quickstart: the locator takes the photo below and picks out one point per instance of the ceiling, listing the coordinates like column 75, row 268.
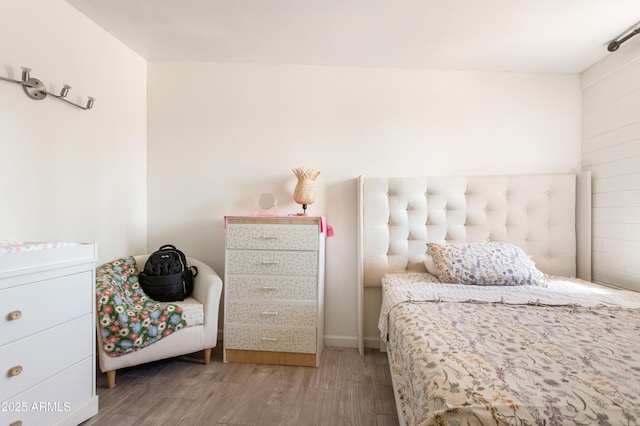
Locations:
column 492, row 35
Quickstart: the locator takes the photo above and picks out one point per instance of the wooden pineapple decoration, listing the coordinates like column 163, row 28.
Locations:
column 304, row 192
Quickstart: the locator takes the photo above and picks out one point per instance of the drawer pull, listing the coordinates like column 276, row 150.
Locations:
column 266, row 287
column 268, row 339
column 14, row 371
column 274, row 313
column 270, row 237
column 270, row 262
column 14, row 315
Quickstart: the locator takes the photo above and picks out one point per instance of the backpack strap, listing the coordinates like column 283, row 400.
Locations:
column 194, row 269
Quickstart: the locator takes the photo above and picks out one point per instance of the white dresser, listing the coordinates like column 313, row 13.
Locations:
column 47, row 335
column 274, row 290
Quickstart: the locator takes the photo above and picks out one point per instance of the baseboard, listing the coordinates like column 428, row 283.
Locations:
column 372, row 342
column 351, row 342
column 341, row 341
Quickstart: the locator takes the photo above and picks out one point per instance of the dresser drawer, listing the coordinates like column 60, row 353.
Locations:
column 53, row 400
column 272, row 237
column 272, row 262
column 43, row 354
column 27, row 309
column 300, row 314
column 267, row 287
column 301, row 340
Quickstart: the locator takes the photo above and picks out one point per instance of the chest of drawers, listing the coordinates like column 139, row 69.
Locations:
column 274, row 290
column 47, row 336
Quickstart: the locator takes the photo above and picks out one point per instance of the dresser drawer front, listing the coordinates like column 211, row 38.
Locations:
column 272, row 237
column 301, row 340
column 267, row 287
column 44, row 303
column 272, row 262
column 300, row 314
column 43, row 354
column 54, row 399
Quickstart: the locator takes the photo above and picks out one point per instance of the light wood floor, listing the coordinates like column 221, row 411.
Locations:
column 346, row 389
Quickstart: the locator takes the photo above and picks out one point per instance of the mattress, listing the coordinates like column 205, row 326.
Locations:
column 567, row 353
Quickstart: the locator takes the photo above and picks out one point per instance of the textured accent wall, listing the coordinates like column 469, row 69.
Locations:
column 611, row 150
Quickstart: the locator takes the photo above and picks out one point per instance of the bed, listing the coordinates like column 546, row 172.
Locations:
column 471, row 339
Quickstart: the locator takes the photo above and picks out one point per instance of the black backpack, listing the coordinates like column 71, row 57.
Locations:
column 166, row 276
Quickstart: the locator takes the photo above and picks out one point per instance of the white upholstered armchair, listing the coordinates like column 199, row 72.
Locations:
column 207, row 289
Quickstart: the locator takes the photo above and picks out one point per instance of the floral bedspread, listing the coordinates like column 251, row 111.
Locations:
column 129, row 320
column 482, row 362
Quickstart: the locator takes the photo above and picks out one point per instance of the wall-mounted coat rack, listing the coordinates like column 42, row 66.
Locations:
column 35, row 89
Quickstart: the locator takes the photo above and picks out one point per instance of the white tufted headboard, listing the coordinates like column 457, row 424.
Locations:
column 547, row 215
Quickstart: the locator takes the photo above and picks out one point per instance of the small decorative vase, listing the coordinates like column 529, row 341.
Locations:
column 304, row 192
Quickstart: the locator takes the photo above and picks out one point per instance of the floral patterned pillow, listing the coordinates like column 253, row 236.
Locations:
column 490, row 263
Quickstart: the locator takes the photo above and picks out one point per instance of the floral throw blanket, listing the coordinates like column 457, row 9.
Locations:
column 493, row 363
column 129, row 320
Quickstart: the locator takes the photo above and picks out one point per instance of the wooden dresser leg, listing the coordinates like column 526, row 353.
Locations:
column 207, row 356
column 111, row 379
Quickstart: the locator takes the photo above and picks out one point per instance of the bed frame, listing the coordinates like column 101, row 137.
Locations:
column 547, row 215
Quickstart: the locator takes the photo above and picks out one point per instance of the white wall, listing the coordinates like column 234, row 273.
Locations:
column 69, row 174
column 611, row 150
column 221, row 134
